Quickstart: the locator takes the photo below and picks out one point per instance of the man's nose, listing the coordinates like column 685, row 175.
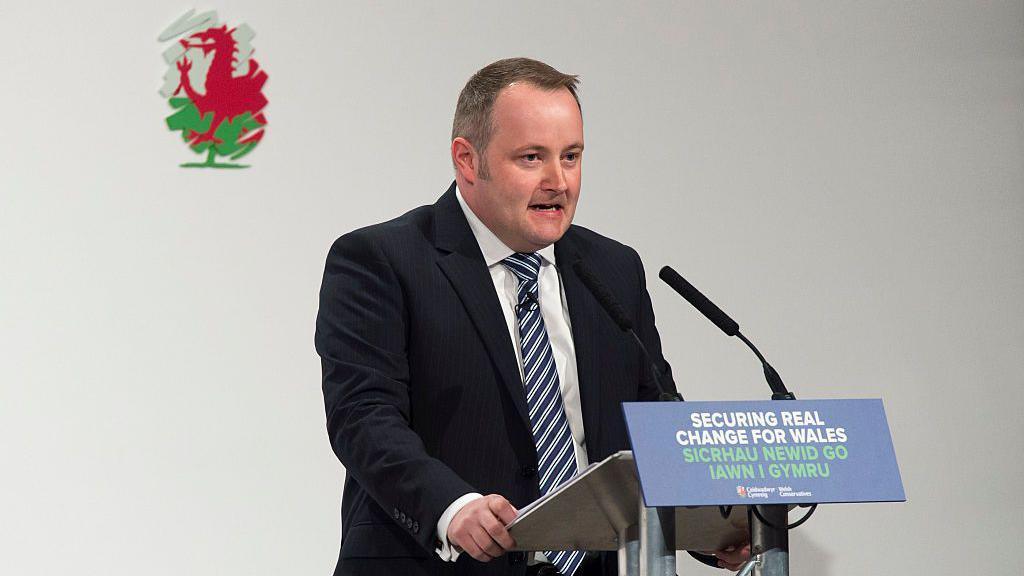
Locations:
column 555, row 177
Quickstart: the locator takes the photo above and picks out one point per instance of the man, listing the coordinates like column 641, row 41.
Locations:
column 466, row 369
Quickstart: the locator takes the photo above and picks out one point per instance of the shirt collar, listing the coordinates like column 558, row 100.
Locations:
column 493, row 249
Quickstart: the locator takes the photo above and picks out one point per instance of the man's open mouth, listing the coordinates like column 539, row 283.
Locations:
column 546, row 207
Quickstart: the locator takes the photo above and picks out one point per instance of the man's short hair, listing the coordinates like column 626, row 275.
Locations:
column 473, row 113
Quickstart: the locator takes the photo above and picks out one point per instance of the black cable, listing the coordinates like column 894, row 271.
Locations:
column 788, row 527
column 725, row 511
column 752, row 347
column 805, row 517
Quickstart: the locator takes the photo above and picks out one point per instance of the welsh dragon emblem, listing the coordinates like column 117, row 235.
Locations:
column 215, row 88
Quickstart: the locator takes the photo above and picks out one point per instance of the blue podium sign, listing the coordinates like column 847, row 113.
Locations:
column 763, row 452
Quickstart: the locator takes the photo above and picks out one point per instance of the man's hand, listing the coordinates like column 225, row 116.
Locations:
column 733, row 557
column 479, row 528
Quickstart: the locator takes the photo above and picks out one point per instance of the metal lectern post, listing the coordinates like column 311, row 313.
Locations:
column 644, row 547
column 657, row 558
column 629, row 551
column 769, row 542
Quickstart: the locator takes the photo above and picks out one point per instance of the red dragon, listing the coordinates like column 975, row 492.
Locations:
column 226, row 96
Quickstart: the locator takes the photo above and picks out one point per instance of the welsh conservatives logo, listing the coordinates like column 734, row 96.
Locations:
column 215, row 88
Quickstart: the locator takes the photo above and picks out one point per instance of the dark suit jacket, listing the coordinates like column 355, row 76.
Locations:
column 423, row 395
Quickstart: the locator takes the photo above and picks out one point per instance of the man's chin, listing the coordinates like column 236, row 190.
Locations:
column 546, row 239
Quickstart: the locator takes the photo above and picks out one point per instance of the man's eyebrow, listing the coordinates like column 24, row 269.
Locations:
column 530, row 147
column 573, row 146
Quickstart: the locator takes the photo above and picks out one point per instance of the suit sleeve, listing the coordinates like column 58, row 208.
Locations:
column 361, row 332
column 648, row 333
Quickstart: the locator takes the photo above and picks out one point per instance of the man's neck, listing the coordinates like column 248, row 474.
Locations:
column 492, row 247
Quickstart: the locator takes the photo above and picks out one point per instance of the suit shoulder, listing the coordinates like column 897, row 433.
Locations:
column 398, row 233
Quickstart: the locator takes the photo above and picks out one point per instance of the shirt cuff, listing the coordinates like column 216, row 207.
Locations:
column 447, row 552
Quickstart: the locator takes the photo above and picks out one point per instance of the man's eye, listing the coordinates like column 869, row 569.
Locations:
column 531, row 157
column 572, row 156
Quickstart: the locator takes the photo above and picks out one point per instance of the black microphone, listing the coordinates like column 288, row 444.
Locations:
column 618, row 315
column 699, row 301
column 726, row 324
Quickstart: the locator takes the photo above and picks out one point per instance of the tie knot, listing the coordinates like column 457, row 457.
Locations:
column 526, row 266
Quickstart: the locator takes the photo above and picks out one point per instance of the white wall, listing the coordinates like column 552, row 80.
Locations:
column 846, row 179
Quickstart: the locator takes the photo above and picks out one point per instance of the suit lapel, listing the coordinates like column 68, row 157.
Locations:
column 583, row 314
column 464, row 267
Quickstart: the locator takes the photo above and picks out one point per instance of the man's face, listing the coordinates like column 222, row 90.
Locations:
column 534, row 167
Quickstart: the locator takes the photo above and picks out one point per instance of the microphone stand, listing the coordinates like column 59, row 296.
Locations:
column 769, row 525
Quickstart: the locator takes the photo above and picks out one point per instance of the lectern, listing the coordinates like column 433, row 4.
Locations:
column 709, row 475
column 602, row 509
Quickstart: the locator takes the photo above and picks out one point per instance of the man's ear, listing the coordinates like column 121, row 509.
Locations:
column 465, row 159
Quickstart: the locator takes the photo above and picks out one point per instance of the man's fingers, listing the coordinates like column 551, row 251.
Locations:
column 734, row 555
column 502, row 508
column 470, row 538
column 487, row 544
column 498, row 533
column 479, row 528
column 728, row 566
column 473, row 550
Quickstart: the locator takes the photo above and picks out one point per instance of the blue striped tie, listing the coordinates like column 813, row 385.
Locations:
column 556, row 457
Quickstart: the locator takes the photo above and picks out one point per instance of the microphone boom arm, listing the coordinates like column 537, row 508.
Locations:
column 725, row 324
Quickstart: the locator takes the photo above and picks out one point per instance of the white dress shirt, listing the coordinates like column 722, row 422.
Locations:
column 555, row 311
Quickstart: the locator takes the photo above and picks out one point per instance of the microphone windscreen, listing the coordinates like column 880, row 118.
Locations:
column 699, row 301
column 603, row 296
